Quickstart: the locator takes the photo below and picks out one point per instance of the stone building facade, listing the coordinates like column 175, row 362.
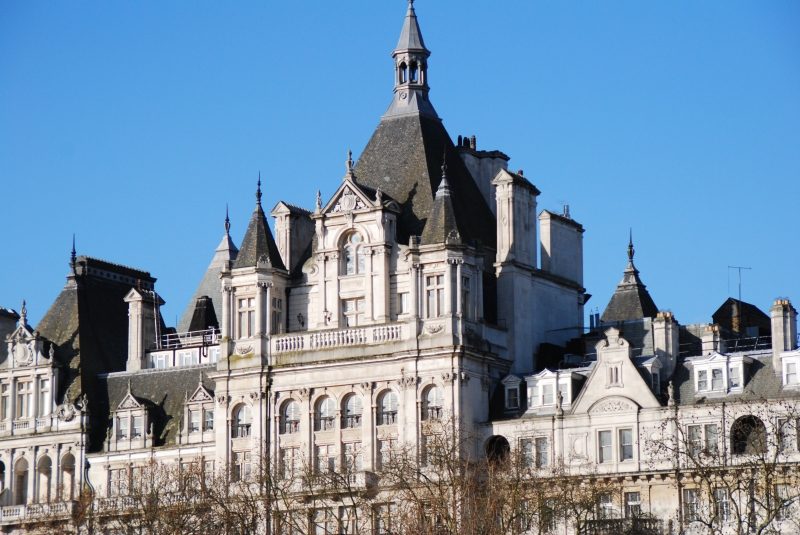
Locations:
column 430, row 283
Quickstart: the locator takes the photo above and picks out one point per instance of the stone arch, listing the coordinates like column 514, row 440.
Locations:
column 241, row 420
column 352, row 408
column 388, row 402
column 497, row 449
column 44, row 470
column 324, row 412
column 748, row 436
column 20, row 482
column 289, row 412
column 432, row 402
column 68, row 477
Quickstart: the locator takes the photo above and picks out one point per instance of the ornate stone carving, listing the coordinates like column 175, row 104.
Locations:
column 434, row 328
column 613, row 406
column 264, row 285
column 304, row 393
column 243, row 349
column 448, row 377
column 464, row 376
column 222, row 400
column 23, row 353
column 66, row 412
column 255, row 395
column 366, row 386
column 407, row 382
column 348, row 202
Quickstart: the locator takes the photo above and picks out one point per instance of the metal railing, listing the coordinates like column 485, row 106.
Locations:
column 206, row 337
column 351, row 422
column 240, row 431
column 614, row 526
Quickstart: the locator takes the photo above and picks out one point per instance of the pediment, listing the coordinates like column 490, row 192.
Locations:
column 545, row 374
column 129, row 402
column 613, row 404
column 348, row 198
column 511, row 380
column 201, row 394
column 711, row 357
column 23, row 332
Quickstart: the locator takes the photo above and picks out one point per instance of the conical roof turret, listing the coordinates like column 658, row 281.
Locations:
column 631, row 300
column 410, row 35
column 258, row 244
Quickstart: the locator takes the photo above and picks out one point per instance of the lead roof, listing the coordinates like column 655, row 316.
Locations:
column 631, row 299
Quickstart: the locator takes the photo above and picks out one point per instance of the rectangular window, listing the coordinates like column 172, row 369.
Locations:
column 384, row 516
column 24, row 399
column 187, row 358
column 385, row 449
column 353, row 312
column 325, row 522
column 695, row 442
column 656, row 383
column 722, row 504
column 115, row 482
column 44, row 397
column 712, row 439
column 326, row 458
column 290, row 461
column 702, row 380
column 733, row 377
column 138, row 425
column 605, row 446
column 716, row 379
column 208, row 422
column 512, row 397
column 241, row 465
column 349, row 519
column 159, row 360
column 605, row 508
column 533, row 399
column 402, row 303
column 122, row 428
column 547, row 395
column 526, row 450
column 783, row 501
column 786, row 435
column 626, row 445
column 247, row 317
column 213, row 355
column 277, row 315
column 352, row 456
column 791, row 373
column 633, row 505
column 542, row 452
column 690, row 504
column 194, row 421
column 434, row 285
column 5, row 409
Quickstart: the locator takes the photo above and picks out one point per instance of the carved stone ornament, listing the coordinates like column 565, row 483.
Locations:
column 243, row 349
column 407, row 382
column 66, row 412
column 222, row 400
column 613, row 406
column 434, row 329
column 366, row 386
column 464, row 378
column 304, row 393
column 23, row 353
column 255, row 395
column 447, row 377
column 348, row 202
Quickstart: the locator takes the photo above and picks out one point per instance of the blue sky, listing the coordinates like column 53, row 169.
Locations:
column 133, row 123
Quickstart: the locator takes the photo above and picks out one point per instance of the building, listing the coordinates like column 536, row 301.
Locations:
column 428, row 284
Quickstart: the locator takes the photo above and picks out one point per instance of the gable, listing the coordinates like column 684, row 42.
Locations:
column 347, row 199
column 201, row 394
column 129, row 402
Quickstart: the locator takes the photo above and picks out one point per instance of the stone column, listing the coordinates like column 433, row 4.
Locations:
column 225, row 326
column 479, row 292
column 260, row 310
column 13, row 403
column 382, row 297
column 334, row 304
column 268, row 308
column 413, row 291
column 448, row 287
column 459, row 289
column 322, row 291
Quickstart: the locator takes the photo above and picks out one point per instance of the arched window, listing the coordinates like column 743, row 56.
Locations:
column 497, row 449
column 432, row 403
column 413, row 73
column 43, row 470
column 68, row 477
column 241, row 422
column 326, row 412
column 21, row 482
column 352, row 412
column 290, row 418
column 748, row 436
column 354, row 259
column 387, row 405
column 403, row 73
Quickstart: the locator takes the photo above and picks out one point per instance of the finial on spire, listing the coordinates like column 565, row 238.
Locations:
column 350, row 175
column 227, row 221
column 73, row 256
column 23, row 314
column 630, row 246
column 258, row 191
column 319, row 200
column 444, row 185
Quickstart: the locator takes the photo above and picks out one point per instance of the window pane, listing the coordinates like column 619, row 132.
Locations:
column 605, row 446
column 626, row 444
column 547, row 394
column 716, row 379
column 702, row 380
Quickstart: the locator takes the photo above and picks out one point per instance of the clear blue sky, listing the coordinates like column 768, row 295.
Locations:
column 133, row 123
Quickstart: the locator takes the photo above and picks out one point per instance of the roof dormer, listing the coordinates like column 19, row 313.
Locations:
column 130, row 428
column 717, row 374
column 545, row 387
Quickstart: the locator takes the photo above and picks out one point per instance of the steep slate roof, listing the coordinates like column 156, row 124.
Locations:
column 410, row 35
column 204, row 316
column 443, row 220
column 258, row 240
column 163, row 390
column 88, row 322
column 631, row 300
column 404, row 157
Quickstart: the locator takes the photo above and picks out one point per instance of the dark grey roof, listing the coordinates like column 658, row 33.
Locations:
column 164, row 390
column 631, row 300
column 204, row 316
column 9, row 313
column 88, row 322
column 411, row 36
column 404, row 157
column 258, row 242
column 761, row 382
column 210, row 284
column 442, row 222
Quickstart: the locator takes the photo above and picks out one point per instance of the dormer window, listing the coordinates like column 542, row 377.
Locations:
column 138, row 427
column 122, row 428
column 199, row 415
column 702, row 380
column 716, row 379
column 733, row 377
column 719, row 374
column 512, row 397
column 656, row 382
column 791, row 365
column 544, row 387
column 547, row 395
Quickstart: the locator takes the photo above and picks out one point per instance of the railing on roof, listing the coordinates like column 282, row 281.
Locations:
column 748, row 344
column 208, row 337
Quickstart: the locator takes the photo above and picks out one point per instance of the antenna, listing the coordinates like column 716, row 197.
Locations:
column 739, row 307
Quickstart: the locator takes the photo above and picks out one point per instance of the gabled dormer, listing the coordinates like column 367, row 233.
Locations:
column 512, row 394
column 25, row 347
column 198, row 416
column 545, row 387
column 651, row 369
column 130, row 429
column 718, row 374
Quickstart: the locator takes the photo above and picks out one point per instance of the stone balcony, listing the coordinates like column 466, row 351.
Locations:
column 373, row 340
column 16, row 514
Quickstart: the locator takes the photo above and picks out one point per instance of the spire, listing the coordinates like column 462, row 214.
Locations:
column 227, row 222
column 258, row 245
column 444, row 185
column 631, row 300
column 411, row 70
column 350, row 174
column 630, row 248
column 73, row 256
column 258, row 191
column 441, row 226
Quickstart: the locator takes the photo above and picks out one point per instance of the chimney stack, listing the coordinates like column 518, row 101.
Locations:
column 784, row 330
